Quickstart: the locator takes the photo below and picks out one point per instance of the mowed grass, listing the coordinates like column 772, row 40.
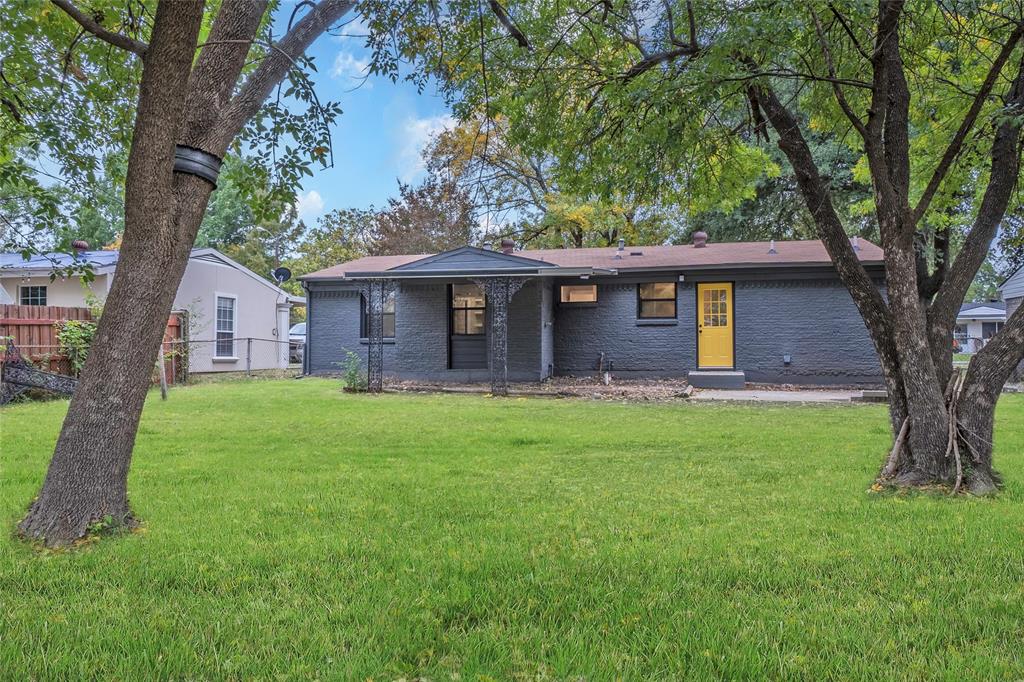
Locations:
column 293, row 531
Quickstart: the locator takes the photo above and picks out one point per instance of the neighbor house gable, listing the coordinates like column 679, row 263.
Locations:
column 1013, row 287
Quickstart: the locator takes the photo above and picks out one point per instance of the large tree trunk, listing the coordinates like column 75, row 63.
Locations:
column 186, row 101
column 941, row 421
column 87, row 479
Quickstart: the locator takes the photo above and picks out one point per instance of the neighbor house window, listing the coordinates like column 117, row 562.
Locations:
column 657, row 300
column 990, row 329
column 469, row 310
column 577, row 293
column 225, row 327
column 389, row 317
column 33, row 296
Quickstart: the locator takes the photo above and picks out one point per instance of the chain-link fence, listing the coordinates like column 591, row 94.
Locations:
column 246, row 356
column 197, row 360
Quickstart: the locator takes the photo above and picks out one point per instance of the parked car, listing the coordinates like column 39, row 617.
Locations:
column 296, row 342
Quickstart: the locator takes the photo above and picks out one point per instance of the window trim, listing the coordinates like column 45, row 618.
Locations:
column 21, row 295
column 452, row 309
column 217, row 357
column 579, row 304
column 640, row 300
column 364, row 320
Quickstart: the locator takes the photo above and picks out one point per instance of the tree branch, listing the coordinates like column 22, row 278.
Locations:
column 259, row 84
column 217, row 70
column 92, row 26
column 509, row 25
column 956, row 144
column 648, row 63
column 819, row 203
column 836, row 89
column 1002, row 181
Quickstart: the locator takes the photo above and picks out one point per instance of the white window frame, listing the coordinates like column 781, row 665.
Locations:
column 216, row 326
column 33, row 286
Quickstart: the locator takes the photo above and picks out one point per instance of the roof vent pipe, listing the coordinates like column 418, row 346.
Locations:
column 856, row 243
column 80, row 246
column 700, row 239
column 507, row 246
column 487, row 246
column 771, row 247
column 622, row 247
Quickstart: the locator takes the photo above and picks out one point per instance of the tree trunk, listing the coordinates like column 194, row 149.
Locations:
column 87, row 479
column 181, row 100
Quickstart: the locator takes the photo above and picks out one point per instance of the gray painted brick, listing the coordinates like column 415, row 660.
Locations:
column 812, row 320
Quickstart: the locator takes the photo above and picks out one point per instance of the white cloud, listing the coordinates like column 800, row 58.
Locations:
column 416, row 133
column 353, row 70
column 352, row 26
column 309, row 205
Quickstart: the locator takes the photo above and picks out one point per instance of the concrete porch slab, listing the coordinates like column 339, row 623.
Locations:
column 716, row 379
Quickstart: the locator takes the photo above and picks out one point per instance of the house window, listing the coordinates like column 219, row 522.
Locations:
column 225, row 327
column 469, row 310
column 33, row 295
column 657, row 300
column 389, row 317
column 569, row 294
column 990, row 329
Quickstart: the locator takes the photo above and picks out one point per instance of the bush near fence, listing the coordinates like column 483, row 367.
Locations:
column 33, row 329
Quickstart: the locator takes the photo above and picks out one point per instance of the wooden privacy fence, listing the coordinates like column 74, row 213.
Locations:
column 32, row 327
column 34, row 331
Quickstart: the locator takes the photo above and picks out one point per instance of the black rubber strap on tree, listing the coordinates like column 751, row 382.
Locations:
column 196, row 162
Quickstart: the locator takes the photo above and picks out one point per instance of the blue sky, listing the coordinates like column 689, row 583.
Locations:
column 377, row 139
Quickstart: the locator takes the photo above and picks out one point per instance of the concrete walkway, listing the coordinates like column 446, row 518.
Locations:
column 761, row 396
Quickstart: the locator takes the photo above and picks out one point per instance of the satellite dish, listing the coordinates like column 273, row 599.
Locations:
column 282, row 274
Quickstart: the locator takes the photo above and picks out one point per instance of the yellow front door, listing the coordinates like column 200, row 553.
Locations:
column 714, row 326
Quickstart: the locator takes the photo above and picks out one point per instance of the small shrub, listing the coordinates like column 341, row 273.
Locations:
column 75, row 337
column 353, row 376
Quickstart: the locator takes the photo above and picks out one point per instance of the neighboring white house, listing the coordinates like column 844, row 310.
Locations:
column 977, row 323
column 1012, row 291
column 226, row 304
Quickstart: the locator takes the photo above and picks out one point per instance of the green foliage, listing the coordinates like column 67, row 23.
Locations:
column 67, row 113
column 75, row 338
column 610, row 96
column 353, row 375
column 424, row 537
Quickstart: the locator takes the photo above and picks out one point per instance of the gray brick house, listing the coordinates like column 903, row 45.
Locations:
column 753, row 311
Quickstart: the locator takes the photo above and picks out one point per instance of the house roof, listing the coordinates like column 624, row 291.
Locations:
column 106, row 261
column 633, row 258
column 215, row 255
column 982, row 310
column 48, row 261
column 1013, row 286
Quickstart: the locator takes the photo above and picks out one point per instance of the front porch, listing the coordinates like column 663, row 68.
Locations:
column 480, row 289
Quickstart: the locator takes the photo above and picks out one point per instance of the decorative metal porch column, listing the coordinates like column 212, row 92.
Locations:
column 376, row 292
column 499, row 291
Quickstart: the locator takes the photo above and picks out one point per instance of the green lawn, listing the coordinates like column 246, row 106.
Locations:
column 293, row 531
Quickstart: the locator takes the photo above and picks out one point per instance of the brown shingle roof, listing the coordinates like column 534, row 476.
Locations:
column 793, row 253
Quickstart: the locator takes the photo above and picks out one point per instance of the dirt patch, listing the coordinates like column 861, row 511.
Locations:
column 562, row 387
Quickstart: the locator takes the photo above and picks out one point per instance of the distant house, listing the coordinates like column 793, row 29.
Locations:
column 977, row 323
column 719, row 314
column 225, row 303
column 1012, row 291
